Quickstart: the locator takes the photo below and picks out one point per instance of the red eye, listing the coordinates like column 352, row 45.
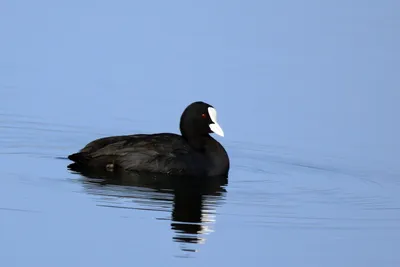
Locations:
column 203, row 115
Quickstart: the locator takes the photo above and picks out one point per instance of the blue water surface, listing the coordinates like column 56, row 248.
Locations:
column 307, row 93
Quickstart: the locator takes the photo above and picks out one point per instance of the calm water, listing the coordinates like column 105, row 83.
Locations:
column 278, row 207
column 307, row 97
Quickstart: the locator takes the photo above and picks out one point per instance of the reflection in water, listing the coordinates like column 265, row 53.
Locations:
column 193, row 200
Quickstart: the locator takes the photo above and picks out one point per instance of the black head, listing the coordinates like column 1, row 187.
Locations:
column 199, row 119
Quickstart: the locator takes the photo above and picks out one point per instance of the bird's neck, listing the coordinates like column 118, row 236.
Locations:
column 198, row 142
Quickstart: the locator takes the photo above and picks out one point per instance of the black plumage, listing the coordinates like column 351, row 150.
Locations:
column 194, row 153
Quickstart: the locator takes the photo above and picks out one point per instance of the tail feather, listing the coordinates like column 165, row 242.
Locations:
column 79, row 158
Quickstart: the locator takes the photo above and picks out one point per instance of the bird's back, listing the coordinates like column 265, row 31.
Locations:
column 162, row 153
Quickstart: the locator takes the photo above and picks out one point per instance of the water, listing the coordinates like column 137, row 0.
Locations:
column 277, row 207
column 307, row 97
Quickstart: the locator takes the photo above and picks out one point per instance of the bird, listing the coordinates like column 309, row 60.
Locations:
column 193, row 153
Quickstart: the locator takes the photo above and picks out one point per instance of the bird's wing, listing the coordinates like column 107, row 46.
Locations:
column 151, row 153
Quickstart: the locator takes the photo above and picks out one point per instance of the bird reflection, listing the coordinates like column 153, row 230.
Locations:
column 193, row 200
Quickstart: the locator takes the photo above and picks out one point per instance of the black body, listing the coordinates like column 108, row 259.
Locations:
column 194, row 153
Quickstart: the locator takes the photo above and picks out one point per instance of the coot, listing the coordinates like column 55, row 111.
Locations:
column 194, row 153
